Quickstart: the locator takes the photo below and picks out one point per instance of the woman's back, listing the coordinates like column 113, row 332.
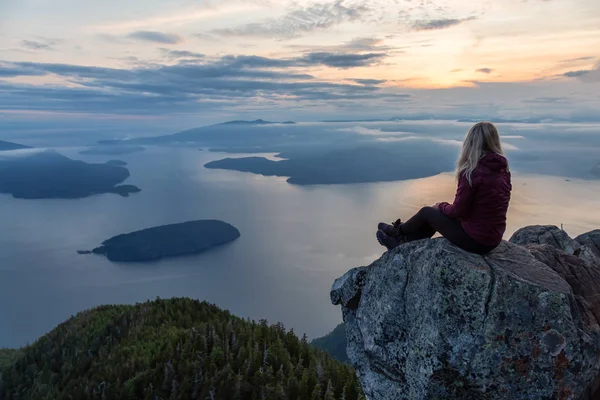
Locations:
column 491, row 183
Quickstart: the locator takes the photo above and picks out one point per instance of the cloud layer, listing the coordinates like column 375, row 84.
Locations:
column 301, row 20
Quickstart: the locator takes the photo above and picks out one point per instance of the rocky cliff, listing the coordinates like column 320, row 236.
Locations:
column 430, row 321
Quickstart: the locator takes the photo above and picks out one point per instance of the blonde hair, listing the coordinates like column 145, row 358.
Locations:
column 483, row 137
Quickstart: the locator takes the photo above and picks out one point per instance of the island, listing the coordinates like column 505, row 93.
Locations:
column 187, row 238
column 6, row 146
column 50, row 175
column 111, row 150
column 596, row 170
column 357, row 165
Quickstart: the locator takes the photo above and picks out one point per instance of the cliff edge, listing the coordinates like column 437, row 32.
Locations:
column 430, row 321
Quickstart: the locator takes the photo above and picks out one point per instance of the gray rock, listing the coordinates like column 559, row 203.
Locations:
column 430, row 321
column 545, row 234
column 590, row 250
column 582, row 277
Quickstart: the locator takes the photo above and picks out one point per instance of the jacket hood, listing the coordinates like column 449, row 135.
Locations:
column 494, row 162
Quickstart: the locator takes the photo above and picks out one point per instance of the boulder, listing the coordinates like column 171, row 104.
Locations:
column 545, row 234
column 590, row 243
column 430, row 321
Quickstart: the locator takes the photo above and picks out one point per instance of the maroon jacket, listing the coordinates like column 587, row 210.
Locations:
column 482, row 206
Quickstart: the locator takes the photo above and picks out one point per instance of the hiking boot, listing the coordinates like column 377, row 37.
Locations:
column 387, row 241
column 390, row 230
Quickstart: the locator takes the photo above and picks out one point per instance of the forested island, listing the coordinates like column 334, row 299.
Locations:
column 357, row 165
column 50, row 175
column 172, row 240
column 172, row 349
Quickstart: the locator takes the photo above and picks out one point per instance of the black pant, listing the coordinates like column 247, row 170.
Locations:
column 430, row 220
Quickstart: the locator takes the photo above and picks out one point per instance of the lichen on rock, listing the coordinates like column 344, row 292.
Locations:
column 430, row 321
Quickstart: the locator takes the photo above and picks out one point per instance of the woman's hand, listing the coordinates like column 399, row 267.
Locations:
column 437, row 205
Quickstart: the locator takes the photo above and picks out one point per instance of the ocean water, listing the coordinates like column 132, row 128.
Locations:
column 295, row 240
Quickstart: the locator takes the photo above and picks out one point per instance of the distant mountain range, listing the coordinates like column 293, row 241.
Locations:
column 224, row 134
column 5, row 146
column 111, row 150
column 255, row 122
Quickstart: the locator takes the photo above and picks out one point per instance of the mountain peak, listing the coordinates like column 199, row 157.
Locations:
column 4, row 146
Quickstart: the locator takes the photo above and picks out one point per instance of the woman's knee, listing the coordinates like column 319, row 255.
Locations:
column 427, row 210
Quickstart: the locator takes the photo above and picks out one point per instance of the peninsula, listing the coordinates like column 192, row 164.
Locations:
column 50, row 175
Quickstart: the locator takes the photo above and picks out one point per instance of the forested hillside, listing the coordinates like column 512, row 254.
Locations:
column 334, row 343
column 174, row 349
column 8, row 357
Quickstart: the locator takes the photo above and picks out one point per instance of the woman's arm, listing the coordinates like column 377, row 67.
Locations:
column 462, row 201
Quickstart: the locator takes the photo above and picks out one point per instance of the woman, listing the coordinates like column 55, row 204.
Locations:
column 476, row 220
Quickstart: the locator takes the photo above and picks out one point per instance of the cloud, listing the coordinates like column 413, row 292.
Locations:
column 175, row 54
column 156, row 37
column 585, row 75
column 299, row 21
column 40, row 44
column 354, row 46
column 369, row 82
column 437, row 24
column 362, row 130
column 485, row 70
column 576, row 74
column 508, row 146
column 342, row 60
column 12, row 71
column 364, row 44
column 589, row 58
column 545, row 100
column 33, row 45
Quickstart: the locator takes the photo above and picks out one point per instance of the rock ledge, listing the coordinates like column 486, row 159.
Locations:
column 430, row 321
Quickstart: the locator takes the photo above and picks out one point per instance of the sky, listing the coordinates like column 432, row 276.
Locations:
column 205, row 61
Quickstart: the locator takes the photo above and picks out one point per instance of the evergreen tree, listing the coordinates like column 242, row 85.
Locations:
column 172, row 349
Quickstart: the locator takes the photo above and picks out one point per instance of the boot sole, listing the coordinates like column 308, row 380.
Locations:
column 381, row 241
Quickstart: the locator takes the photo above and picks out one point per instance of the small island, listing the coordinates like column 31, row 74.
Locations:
column 166, row 241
